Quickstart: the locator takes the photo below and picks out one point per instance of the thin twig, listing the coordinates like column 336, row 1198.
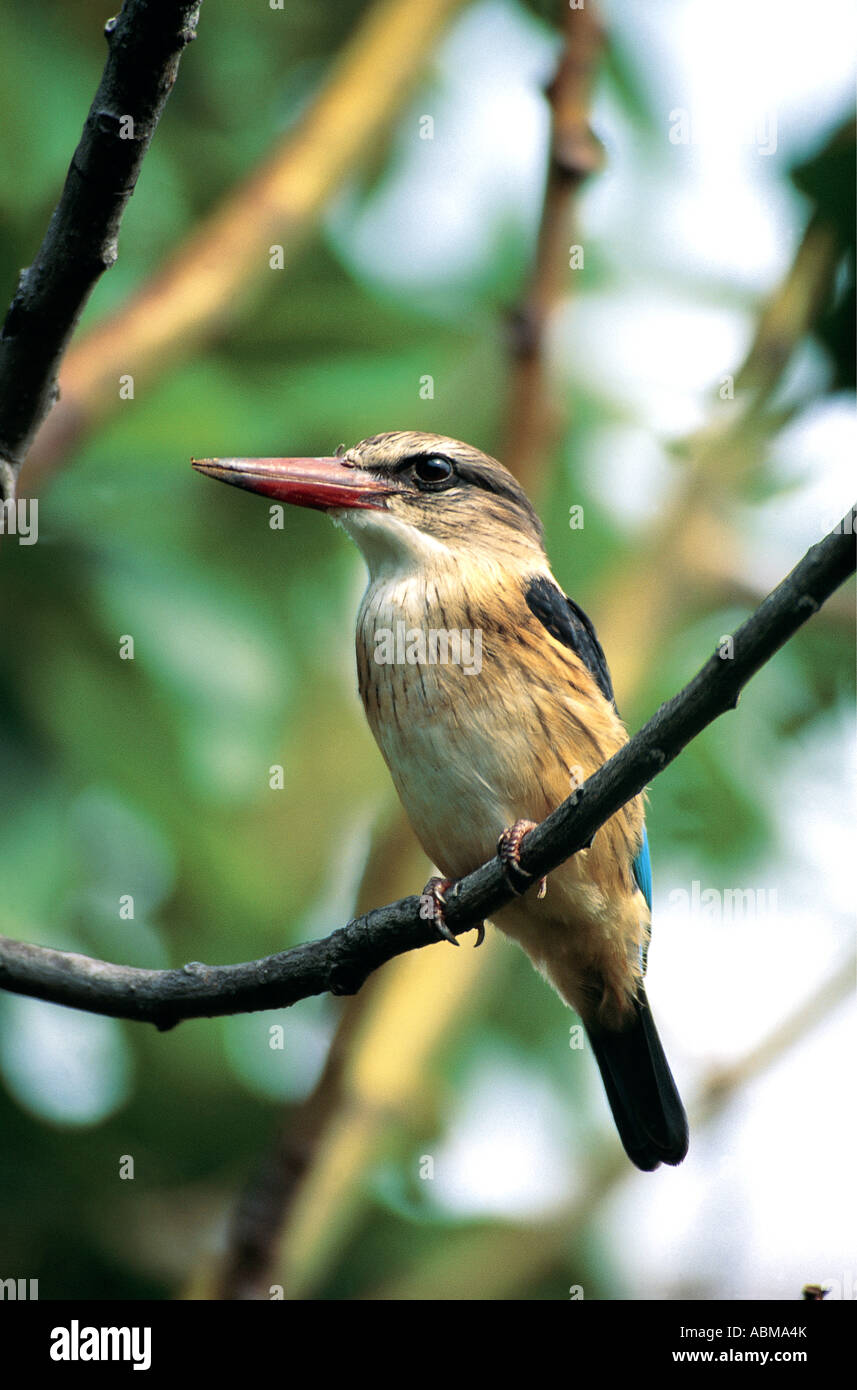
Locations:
column 575, row 153
column 145, row 45
column 341, row 962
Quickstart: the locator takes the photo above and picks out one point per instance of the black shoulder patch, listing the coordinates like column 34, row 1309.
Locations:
column 569, row 625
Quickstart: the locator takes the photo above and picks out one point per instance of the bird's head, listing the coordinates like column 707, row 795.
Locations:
column 404, row 497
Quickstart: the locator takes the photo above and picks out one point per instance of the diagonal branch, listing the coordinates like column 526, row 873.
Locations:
column 145, row 45
column 341, row 962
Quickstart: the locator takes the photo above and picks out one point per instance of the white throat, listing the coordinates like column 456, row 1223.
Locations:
column 391, row 548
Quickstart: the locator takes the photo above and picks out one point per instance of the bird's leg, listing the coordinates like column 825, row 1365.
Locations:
column 509, row 850
column 435, row 892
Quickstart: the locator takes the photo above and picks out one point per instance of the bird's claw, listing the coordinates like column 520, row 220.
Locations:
column 436, row 890
column 509, row 851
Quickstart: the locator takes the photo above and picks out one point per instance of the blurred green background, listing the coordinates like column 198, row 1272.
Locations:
column 151, row 777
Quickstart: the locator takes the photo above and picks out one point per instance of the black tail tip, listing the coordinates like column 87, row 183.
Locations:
column 643, row 1096
column 671, row 1149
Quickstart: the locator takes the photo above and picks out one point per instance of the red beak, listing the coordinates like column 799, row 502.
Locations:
column 324, row 483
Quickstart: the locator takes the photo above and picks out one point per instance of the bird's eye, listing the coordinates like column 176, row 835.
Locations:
column 432, row 469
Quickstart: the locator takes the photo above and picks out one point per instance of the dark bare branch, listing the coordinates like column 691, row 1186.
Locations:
column 145, row 45
column 342, row 961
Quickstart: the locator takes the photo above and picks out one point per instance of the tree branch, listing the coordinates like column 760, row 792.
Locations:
column 145, row 45
column 341, row 962
column 207, row 277
column 532, row 414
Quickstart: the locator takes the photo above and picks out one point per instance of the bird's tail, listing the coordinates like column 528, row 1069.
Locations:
column 646, row 1105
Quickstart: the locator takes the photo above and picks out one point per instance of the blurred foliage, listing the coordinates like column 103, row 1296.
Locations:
column 150, row 777
column 827, row 180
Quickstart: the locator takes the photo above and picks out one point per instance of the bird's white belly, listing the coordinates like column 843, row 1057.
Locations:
column 454, row 788
column 452, row 748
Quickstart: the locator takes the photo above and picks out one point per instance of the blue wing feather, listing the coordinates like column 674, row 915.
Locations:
column 643, row 870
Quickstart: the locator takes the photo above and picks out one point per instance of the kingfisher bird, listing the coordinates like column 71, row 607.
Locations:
column 490, row 699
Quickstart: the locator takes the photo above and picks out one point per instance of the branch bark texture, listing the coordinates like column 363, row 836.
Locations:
column 145, row 42
column 341, row 962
